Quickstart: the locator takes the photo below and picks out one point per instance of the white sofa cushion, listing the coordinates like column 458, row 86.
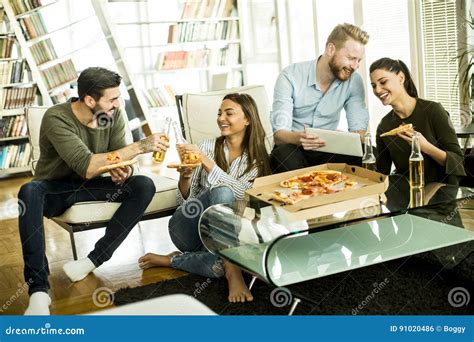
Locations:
column 102, row 211
column 200, row 112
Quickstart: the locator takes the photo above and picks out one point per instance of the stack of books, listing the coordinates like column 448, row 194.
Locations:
column 17, row 155
column 6, row 46
column 22, row 6
column 207, row 8
column 13, row 126
column 229, row 55
column 161, row 96
column 13, row 71
column 202, row 31
column 19, row 97
column 43, row 51
column 59, row 74
column 33, row 26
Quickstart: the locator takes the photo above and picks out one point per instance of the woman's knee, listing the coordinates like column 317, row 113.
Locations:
column 183, row 234
column 222, row 194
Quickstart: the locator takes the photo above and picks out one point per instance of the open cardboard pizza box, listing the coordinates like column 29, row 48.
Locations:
column 370, row 186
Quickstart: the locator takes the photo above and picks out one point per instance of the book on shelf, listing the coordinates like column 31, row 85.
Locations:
column 6, row 46
column 229, row 55
column 22, row 6
column 18, row 97
column 43, row 51
column 15, row 155
column 207, row 8
column 33, row 26
column 13, row 126
column 160, row 96
column 3, row 22
column 59, row 74
column 203, row 31
column 13, row 72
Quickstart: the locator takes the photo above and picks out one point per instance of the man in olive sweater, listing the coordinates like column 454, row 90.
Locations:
column 75, row 139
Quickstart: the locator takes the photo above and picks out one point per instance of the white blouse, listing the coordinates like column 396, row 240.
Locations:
column 238, row 182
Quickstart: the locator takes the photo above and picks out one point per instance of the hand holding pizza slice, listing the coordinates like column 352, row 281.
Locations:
column 398, row 130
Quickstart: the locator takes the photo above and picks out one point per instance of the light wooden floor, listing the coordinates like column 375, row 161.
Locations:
column 75, row 298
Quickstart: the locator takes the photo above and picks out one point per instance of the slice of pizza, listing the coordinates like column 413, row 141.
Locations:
column 297, row 181
column 291, row 198
column 114, row 157
column 314, row 178
column 399, row 129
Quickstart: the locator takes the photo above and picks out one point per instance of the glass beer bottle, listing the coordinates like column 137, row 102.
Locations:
column 368, row 160
column 179, row 139
column 417, row 168
column 159, row 156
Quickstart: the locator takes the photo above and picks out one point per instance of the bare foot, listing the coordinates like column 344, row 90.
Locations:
column 238, row 290
column 155, row 260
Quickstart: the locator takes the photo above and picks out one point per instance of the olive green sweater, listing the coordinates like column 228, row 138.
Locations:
column 432, row 120
column 66, row 145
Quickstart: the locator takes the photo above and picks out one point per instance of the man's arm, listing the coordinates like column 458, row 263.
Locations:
column 151, row 143
column 281, row 116
column 287, row 137
column 356, row 110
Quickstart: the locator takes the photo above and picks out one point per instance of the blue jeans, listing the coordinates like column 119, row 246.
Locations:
column 51, row 198
column 184, row 232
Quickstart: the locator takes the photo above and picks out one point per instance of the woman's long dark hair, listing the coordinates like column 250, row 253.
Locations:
column 254, row 139
column 395, row 66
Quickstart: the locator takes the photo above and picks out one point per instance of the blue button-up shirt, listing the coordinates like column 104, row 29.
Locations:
column 298, row 101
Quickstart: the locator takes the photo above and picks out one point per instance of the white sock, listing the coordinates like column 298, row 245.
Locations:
column 39, row 304
column 78, row 269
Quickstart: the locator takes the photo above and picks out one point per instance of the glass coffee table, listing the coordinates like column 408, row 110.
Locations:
column 263, row 241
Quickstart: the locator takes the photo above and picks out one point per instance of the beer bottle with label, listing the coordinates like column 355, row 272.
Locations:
column 159, row 156
column 417, row 168
column 368, row 160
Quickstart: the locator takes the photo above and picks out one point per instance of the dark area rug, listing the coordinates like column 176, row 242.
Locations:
column 417, row 285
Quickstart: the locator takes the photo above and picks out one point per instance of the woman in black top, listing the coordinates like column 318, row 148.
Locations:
column 392, row 84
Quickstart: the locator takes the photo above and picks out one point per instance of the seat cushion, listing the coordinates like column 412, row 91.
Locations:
column 98, row 211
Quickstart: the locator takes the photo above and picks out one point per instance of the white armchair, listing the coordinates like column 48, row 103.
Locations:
column 90, row 215
column 198, row 112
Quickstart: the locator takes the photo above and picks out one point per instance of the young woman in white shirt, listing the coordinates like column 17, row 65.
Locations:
column 230, row 163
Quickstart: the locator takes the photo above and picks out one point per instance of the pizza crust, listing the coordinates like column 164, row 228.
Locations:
column 399, row 129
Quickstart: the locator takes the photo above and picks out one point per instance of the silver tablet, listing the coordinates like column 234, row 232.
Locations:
column 338, row 142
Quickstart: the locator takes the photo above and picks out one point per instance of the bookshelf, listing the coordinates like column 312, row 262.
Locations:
column 185, row 46
column 51, row 41
column 18, row 88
